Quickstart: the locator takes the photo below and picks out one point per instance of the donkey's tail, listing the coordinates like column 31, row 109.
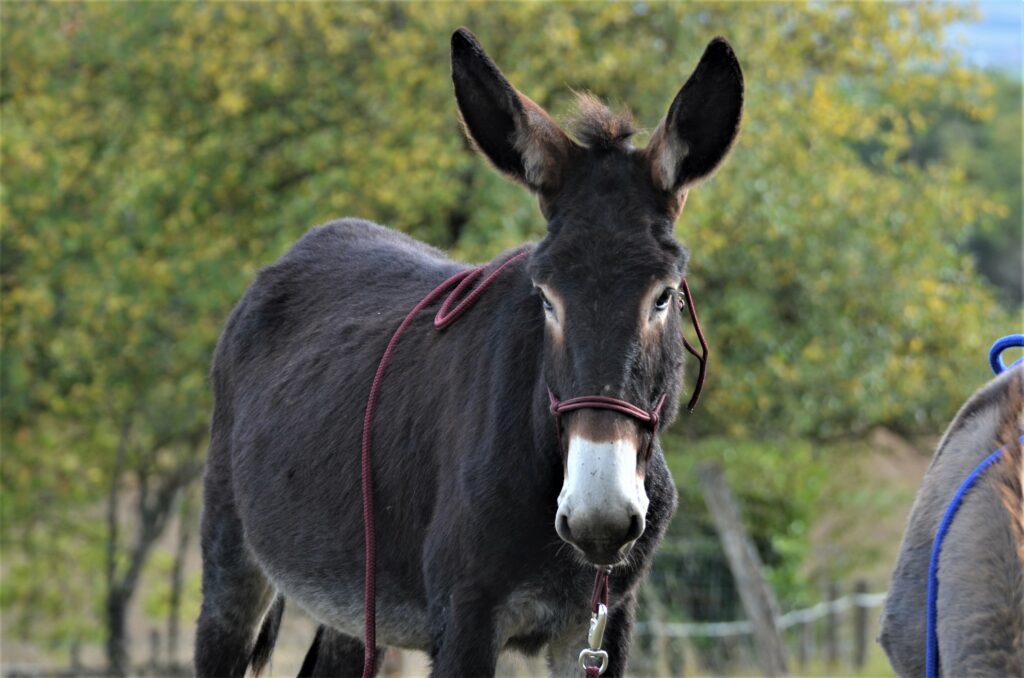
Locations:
column 265, row 641
column 1009, row 476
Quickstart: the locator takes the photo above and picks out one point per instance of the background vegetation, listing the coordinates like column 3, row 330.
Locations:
column 156, row 155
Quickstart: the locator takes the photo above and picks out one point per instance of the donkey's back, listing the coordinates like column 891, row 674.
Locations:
column 346, row 270
column 981, row 595
column 329, row 295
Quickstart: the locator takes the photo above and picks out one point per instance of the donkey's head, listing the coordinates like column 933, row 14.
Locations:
column 607, row 274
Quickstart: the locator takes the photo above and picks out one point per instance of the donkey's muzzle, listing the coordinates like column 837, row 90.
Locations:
column 603, row 505
column 609, row 543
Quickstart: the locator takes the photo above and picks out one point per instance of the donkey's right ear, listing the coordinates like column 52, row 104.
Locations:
column 516, row 134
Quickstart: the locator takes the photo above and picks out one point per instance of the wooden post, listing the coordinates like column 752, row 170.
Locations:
column 154, row 650
column 806, row 643
column 832, row 628
column 860, row 617
column 757, row 597
column 76, row 656
column 659, row 645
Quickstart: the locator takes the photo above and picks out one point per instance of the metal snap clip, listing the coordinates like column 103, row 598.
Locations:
column 587, row 656
column 598, row 622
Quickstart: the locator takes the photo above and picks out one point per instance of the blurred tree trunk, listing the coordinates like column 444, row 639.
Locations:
column 186, row 528
column 116, row 650
column 757, row 596
column 154, row 508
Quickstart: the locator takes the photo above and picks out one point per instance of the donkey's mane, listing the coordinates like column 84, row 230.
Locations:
column 595, row 125
column 1009, row 474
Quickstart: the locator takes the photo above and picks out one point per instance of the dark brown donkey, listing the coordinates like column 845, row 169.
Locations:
column 477, row 502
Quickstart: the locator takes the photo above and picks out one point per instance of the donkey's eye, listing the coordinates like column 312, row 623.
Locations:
column 545, row 302
column 663, row 300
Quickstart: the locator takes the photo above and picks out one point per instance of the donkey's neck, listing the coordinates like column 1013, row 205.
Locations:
column 501, row 347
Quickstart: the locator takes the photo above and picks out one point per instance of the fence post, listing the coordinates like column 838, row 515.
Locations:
column 860, row 617
column 804, row 643
column 154, row 650
column 76, row 656
column 758, row 598
column 659, row 645
column 832, row 628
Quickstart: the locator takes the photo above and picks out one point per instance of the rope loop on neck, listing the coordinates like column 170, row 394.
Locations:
column 446, row 315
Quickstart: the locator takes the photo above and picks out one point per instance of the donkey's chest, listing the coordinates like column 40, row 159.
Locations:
column 528, row 617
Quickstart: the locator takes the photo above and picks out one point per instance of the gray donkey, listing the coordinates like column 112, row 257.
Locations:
column 980, row 601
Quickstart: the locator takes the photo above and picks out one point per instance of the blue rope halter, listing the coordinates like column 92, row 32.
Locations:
column 932, row 642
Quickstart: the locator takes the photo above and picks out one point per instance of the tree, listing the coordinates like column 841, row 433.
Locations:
column 989, row 151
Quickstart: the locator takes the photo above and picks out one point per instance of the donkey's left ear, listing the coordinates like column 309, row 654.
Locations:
column 702, row 122
column 515, row 134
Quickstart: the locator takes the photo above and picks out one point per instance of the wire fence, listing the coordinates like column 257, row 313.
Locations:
column 738, row 628
column 823, row 638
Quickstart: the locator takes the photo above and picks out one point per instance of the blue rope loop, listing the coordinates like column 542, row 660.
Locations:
column 995, row 354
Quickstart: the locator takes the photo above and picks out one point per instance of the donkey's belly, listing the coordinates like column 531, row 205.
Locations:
column 527, row 620
column 401, row 621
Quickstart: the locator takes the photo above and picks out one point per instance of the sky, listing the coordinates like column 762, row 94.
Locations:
column 995, row 40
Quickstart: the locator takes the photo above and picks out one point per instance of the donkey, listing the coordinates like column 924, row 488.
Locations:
column 980, row 600
column 490, row 523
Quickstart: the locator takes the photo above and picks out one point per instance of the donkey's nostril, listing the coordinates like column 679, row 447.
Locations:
column 563, row 527
column 636, row 527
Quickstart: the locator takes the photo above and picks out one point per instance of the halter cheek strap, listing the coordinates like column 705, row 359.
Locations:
column 701, row 357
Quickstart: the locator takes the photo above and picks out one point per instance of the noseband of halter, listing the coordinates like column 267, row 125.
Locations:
column 652, row 417
column 451, row 310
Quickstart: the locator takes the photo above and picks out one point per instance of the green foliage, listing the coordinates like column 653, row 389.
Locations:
column 52, row 533
column 156, row 600
column 156, row 155
column 779, row 484
column 991, row 154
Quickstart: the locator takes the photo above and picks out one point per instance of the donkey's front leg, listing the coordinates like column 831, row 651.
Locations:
column 467, row 644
